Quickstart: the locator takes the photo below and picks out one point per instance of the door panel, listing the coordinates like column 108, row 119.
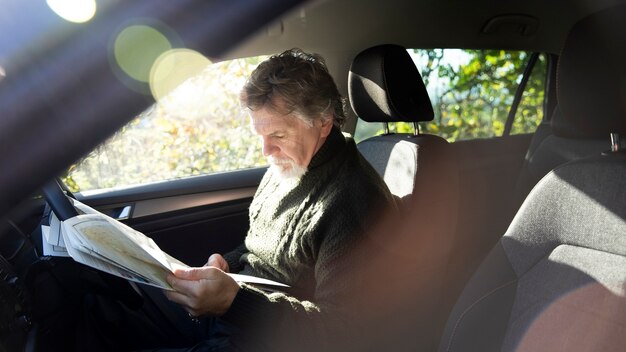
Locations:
column 188, row 218
column 192, row 234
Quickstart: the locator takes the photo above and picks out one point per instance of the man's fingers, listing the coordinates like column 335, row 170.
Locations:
column 192, row 282
column 177, row 297
column 212, row 260
column 210, row 292
column 216, row 260
column 204, row 272
column 185, row 282
column 179, row 286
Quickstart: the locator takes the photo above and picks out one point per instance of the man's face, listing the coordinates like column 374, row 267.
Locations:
column 288, row 142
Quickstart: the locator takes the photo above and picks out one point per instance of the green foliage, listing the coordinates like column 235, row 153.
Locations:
column 198, row 129
column 472, row 91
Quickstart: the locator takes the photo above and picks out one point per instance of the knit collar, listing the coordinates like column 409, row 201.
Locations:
column 333, row 144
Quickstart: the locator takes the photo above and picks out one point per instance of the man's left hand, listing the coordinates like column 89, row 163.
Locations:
column 202, row 291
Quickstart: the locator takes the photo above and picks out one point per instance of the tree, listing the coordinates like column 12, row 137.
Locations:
column 472, row 97
column 197, row 129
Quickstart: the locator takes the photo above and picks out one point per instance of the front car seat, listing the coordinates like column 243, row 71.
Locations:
column 421, row 169
column 564, row 140
column 385, row 86
column 556, row 281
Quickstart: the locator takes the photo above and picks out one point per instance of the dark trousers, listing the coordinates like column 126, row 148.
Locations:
column 156, row 325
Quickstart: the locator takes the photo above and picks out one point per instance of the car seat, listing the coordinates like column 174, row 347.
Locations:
column 421, row 169
column 385, row 86
column 555, row 281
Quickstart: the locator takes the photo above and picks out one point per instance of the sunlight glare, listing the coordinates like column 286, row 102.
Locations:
column 137, row 47
column 76, row 11
column 173, row 68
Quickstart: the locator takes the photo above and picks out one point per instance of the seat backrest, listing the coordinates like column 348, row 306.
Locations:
column 556, row 280
column 552, row 145
column 385, row 86
column 588, row 87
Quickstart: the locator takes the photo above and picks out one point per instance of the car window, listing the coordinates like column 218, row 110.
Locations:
column 199, row 128
column 471, row 92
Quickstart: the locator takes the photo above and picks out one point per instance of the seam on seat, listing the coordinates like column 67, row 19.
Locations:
column 456, row 325
column 552, row 249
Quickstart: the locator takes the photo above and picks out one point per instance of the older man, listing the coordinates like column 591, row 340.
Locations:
column 310, row 211
column 308, row 219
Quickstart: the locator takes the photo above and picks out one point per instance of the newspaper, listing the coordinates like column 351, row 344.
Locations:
column 53, row 244
column 103, row 243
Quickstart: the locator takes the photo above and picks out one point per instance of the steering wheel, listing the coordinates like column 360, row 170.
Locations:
column 64, row 209
column 56, row 198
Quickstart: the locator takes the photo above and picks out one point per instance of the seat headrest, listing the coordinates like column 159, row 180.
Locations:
column 591, row 77
column 385, row 86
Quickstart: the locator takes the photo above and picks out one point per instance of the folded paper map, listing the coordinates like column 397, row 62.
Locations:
column 106, row 244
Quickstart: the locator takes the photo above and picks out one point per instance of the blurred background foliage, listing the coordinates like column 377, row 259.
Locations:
column 200, row 128
column 471, row 92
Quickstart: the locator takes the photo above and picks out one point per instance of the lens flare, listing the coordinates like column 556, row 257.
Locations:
column 137, row 47
column 173, row 68
column 76, row 11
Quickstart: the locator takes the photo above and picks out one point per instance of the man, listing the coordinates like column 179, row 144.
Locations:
column 310, row 211
column 308, row 219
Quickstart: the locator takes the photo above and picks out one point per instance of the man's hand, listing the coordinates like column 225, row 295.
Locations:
column 218, row 261
column 202, row 291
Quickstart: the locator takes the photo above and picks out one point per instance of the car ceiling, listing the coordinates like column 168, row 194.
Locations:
column 353, row 25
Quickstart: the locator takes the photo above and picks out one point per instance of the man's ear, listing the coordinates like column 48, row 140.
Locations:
column 327, row 126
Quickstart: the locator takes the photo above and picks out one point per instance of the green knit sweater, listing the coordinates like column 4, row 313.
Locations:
column 304, row 234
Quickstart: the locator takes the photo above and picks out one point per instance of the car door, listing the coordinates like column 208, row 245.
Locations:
column 188, row 218
column 491, row 165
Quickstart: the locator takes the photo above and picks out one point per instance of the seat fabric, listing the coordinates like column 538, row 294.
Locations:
column 385, row 86
column 556, row 281
column 395, row 157
column 590, row 89
column 552, row 145
column 563, row 260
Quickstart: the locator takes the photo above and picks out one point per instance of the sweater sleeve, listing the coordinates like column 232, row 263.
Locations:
column 233, row 258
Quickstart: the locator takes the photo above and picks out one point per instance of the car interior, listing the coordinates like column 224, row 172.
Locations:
column 507, row 241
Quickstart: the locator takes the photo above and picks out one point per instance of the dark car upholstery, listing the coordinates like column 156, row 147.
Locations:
column 555, row 281
column 591, row 90
column 553, row 148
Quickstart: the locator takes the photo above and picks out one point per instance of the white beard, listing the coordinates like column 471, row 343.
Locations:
column 286, row 168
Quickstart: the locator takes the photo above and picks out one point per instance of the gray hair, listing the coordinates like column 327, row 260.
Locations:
column 301, row 81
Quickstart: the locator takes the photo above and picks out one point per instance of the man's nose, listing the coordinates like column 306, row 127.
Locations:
column 268, row 147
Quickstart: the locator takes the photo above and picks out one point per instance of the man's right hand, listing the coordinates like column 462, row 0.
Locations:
column 216, row 260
